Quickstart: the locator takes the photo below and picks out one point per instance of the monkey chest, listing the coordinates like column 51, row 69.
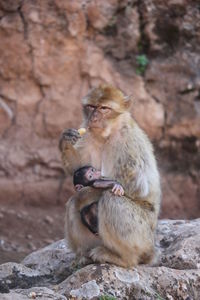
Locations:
column 108, row 163
column 94, row 158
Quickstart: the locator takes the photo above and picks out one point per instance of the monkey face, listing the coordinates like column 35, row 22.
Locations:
column 92, row 174
column 98, row 116
column 102, row 107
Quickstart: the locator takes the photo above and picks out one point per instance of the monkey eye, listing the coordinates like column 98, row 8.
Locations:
column 105, row 109
column 90, row 176
column 90, row 107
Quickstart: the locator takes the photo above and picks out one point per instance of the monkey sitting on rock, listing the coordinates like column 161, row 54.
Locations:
column 116, row 145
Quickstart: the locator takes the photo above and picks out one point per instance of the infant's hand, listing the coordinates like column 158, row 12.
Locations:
column 118, row 190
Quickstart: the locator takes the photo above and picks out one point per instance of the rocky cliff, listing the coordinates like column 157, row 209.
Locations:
column 53, row 51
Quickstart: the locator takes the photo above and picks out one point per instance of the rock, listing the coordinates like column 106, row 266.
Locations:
column 141, row 283
column 182, row 113
column 174, row 275
column 179, row 243
column 6, row 116
column 10, row 5
column 100, row 13
column 13, row 275
column 177, row 189
column 175, row 26
column 148, row 112
column 171, row 284
column 41, row 293
column 98, row 280
column 48, row 220
column 54, row 261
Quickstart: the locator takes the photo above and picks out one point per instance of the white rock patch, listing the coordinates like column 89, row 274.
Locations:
column 87, row 290
column 127, row 276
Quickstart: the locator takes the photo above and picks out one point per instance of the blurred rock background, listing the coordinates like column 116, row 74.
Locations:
column 51, row 53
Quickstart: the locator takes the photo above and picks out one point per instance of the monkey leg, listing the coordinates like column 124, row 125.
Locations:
column 124, row 230
column 79, row 238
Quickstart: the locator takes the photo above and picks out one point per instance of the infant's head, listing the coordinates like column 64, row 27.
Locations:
column 85, row 176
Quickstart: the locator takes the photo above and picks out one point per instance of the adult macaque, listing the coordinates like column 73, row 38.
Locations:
column 116, row 145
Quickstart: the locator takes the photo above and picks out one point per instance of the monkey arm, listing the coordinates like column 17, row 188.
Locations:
column 117, row 189
column 69, row 152
column 104, row 183
column 71, row 159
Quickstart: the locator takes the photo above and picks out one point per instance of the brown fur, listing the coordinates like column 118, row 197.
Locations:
column 123, row 152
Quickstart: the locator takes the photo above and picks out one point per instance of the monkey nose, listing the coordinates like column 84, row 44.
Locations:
column 94, row 118
column 92, row 122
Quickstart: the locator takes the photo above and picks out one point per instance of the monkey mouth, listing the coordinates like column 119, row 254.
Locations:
column 94, row 126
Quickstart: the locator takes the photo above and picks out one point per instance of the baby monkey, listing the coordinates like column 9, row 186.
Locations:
column 89, row 176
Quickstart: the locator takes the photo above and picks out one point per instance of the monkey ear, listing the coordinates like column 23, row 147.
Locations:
column 127, row 101
column 78, row 187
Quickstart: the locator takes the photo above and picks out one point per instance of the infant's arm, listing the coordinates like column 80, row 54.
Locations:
column 117, row 189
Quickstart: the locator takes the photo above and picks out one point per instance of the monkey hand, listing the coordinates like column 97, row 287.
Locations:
column 118, row 190
column 68, row 136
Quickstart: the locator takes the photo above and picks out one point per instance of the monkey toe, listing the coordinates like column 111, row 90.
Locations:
column 96, row 254
column 121, row 191
column 84, row 261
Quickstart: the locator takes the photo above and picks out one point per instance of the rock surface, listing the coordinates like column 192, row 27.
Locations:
column 50, row 53
column 54, row 261
column 41, row 293
column 51, row 273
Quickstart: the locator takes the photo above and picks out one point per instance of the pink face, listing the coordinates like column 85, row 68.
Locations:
column 92, row 174
column 97, row 116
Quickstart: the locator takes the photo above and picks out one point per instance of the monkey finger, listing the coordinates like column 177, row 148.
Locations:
column 73, row 132
column 74, row 139
column 115, row 192
column 70, row 136
column 114, row 188
column 121, row 191
column 70, row 133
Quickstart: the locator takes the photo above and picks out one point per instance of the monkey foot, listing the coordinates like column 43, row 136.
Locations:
column 95, row 254
column 103, row 255
column 84, row 260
